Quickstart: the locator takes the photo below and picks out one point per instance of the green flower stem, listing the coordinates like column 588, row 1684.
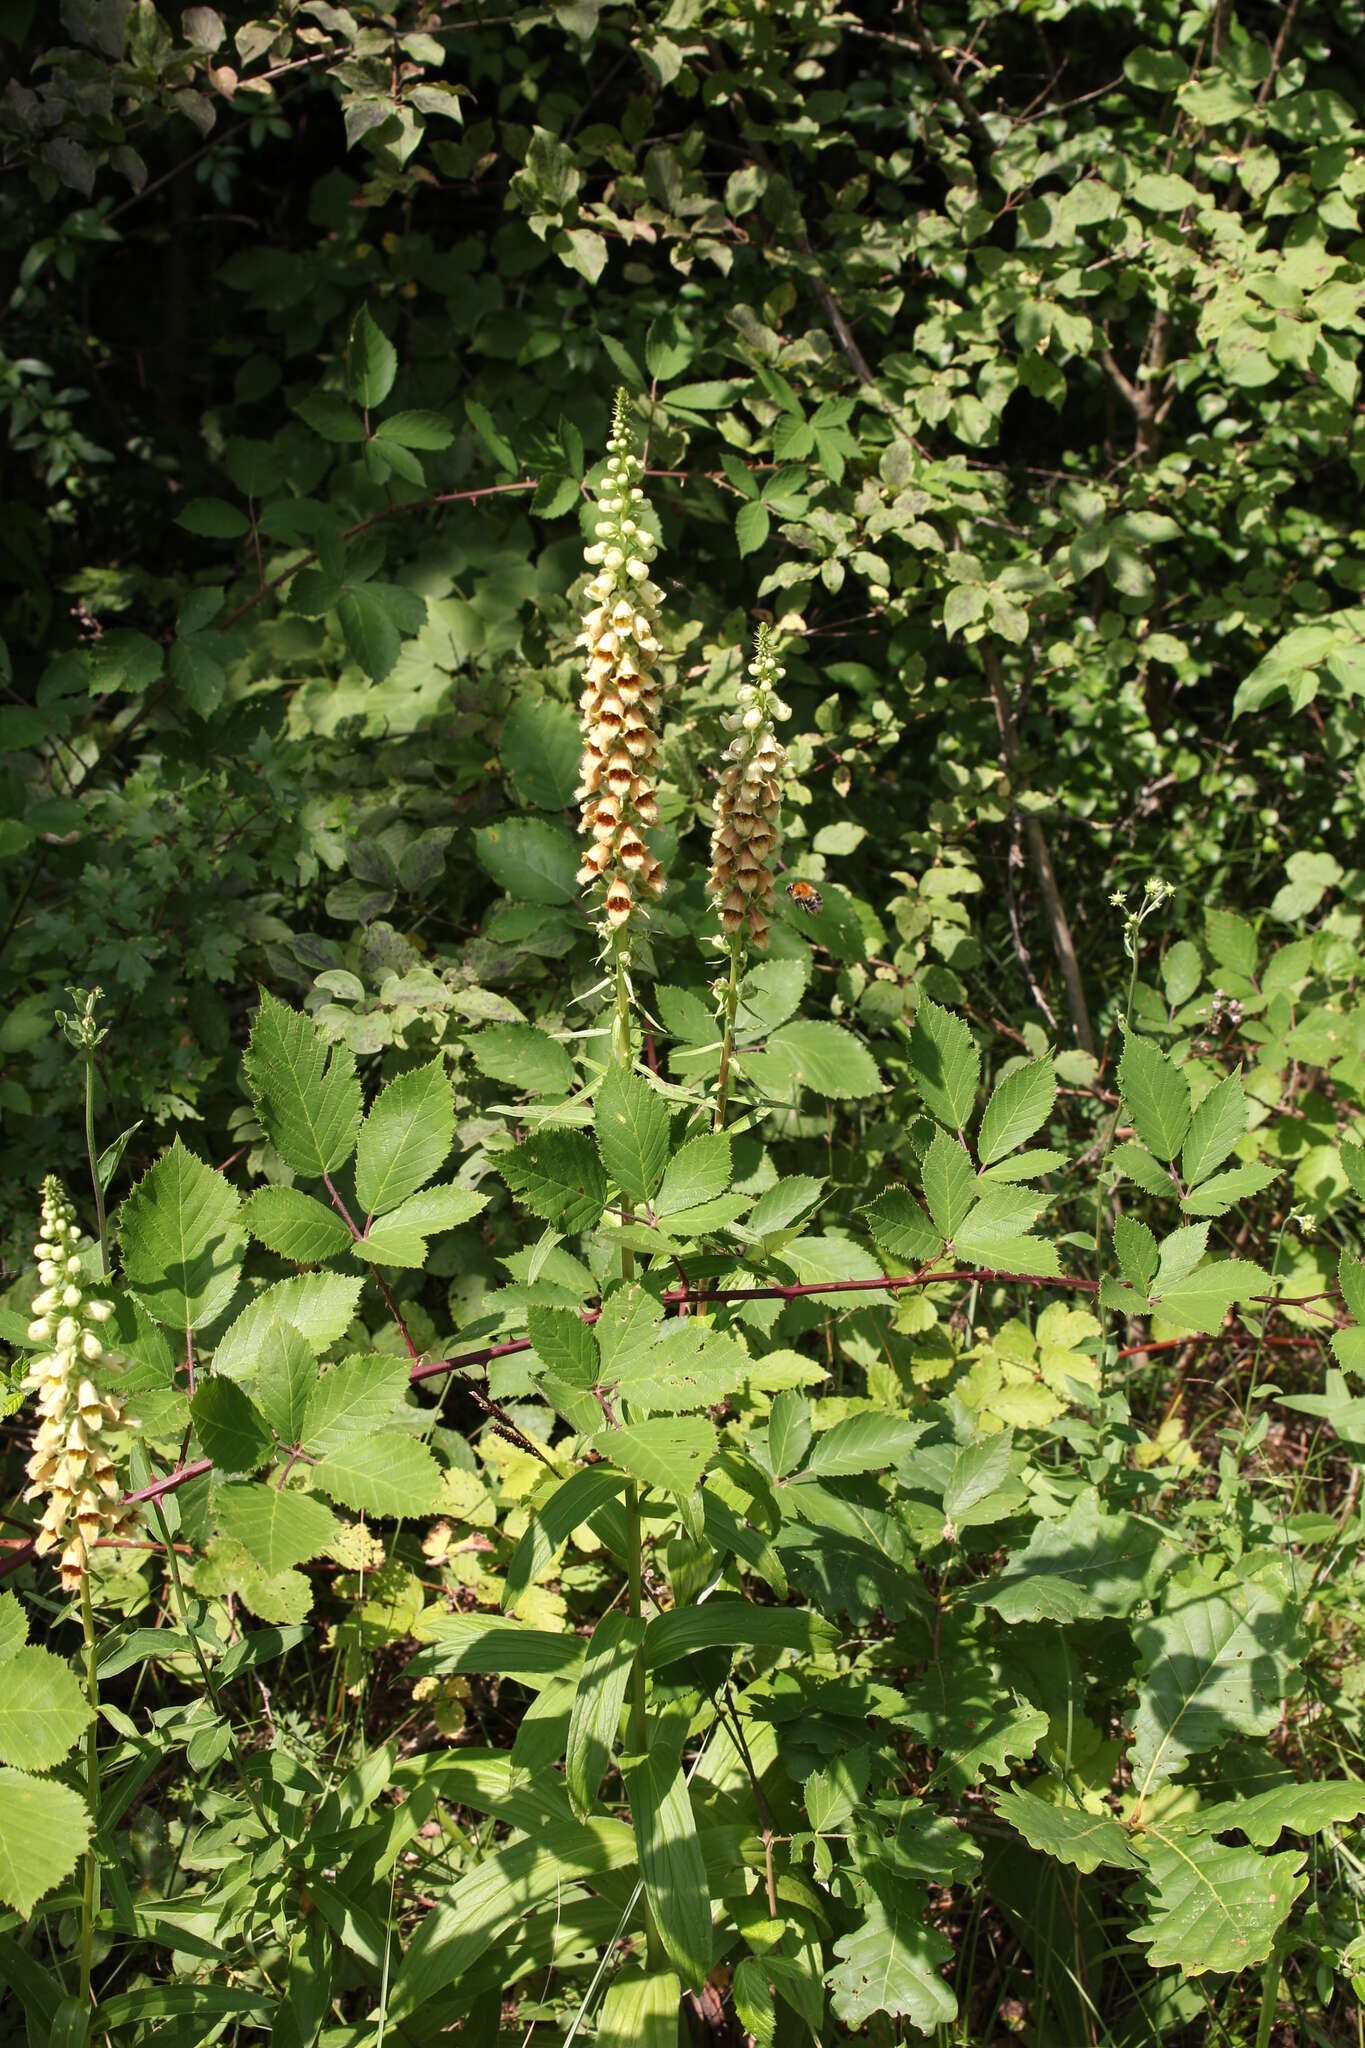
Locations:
column 92, row 1791
column 639, row 1724
column 728, row 1029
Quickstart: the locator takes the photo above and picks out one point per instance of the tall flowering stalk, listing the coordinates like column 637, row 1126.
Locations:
column 71, row 1469
column 744, row 842
column 620, row 705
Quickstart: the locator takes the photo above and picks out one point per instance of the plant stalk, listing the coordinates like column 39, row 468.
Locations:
column 94, row 1159
column 728, row 1033
column 92, row 1789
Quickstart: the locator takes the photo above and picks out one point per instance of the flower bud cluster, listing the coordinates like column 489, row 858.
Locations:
column 71, row 1467
column 620, row 701
column 744, row 842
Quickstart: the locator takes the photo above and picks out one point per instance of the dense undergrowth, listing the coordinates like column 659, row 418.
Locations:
column 692, row 1059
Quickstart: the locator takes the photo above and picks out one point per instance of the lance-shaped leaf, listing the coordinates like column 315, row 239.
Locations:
column 1020, row 1104
column 306, row 1092
column 902, row 1229
column 1215, row 1128
column 1213, row 1663
column 295, row 1225
column 571, row 1504
column 632, row 1125
column 598, row 1699
column 640, row 2010
column 726, row 1621
column 182, row 1240
column 400, row 1238
column 698, row 1172
column 671, row 1863
column 1157, row 1095
column 405, row 1138
column 946, row 1064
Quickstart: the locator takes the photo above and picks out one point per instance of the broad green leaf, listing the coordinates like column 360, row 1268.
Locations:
column 1070, row 1833
column 535, row 861
column 421, row 430
column 1302, row 1809
column 698, row 1172
column 1215, row 1662
column 278, row 1526
column 789, row 1431
column 497, row 444
column 564, row 1344
column 558, row 1176
column 949, row 1183
column 728, row 1622
column 182, row 1239
column 669, row 1452
column 13, row 1626
column 825, row 1058
column 495, row 1896
column 384, row 1474
column 1215, row 1128
column 1201, row 1301
column 862, row 1443
column 1081, row 1568
column 1351, row 1280
column 405, row 1138
column 632, row 1124
column 690, row 1366
column 1215, row 1197
column 1137, row 1252
column 43, row 1709
column 353, row 1400
column 230, row 1427
column 1020, row 1104
column 640, row 2011
column 371, row 362
column 527, row 1060
column 946, row 1064
column 493, row 1645
column 1140, row 1166
column 318, row 1305
column 1157, row 1095
column 598, row 1699
column 572, row 1503
column 891, row 1963
column 400, row 1237
column 295, row 1225
column 539, row 751
column 44, row 1827
column 627, row 1327
column 1215, row 1909
column 306, row 1093
column 902, row 1229
column 671, row 1863
column 779, row 1209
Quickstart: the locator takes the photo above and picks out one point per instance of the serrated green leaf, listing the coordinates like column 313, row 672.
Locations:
column 558, row 1176
column 400, row 1237
column 902, row 1229
column 295, row 1225
column 949, row 1183
column 862, row 1443
column 632, row 1125
column 564, row 1344
column 1020, row 1104
column 528, row 1060
column 44, row 1827
column 43, row 1709
column 371, row 362
column 1201, row 1301
column 825, row 1058
column 1215, row 1197
column 1215, row 1129
column 353, row 1400
column 383, row 1474
column 1157, row 1095
column 1140, row 1166
column 668, row 1452
column 405, row 1138
column 230, row 1427
column 946, row 1064
column 277, row 1526
column 306, row 1093
column 182, row 1239
column 598, row 1699
column 691, row 1365
column 318, row 1305
column 698, row 1172
column 1137, row 1252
